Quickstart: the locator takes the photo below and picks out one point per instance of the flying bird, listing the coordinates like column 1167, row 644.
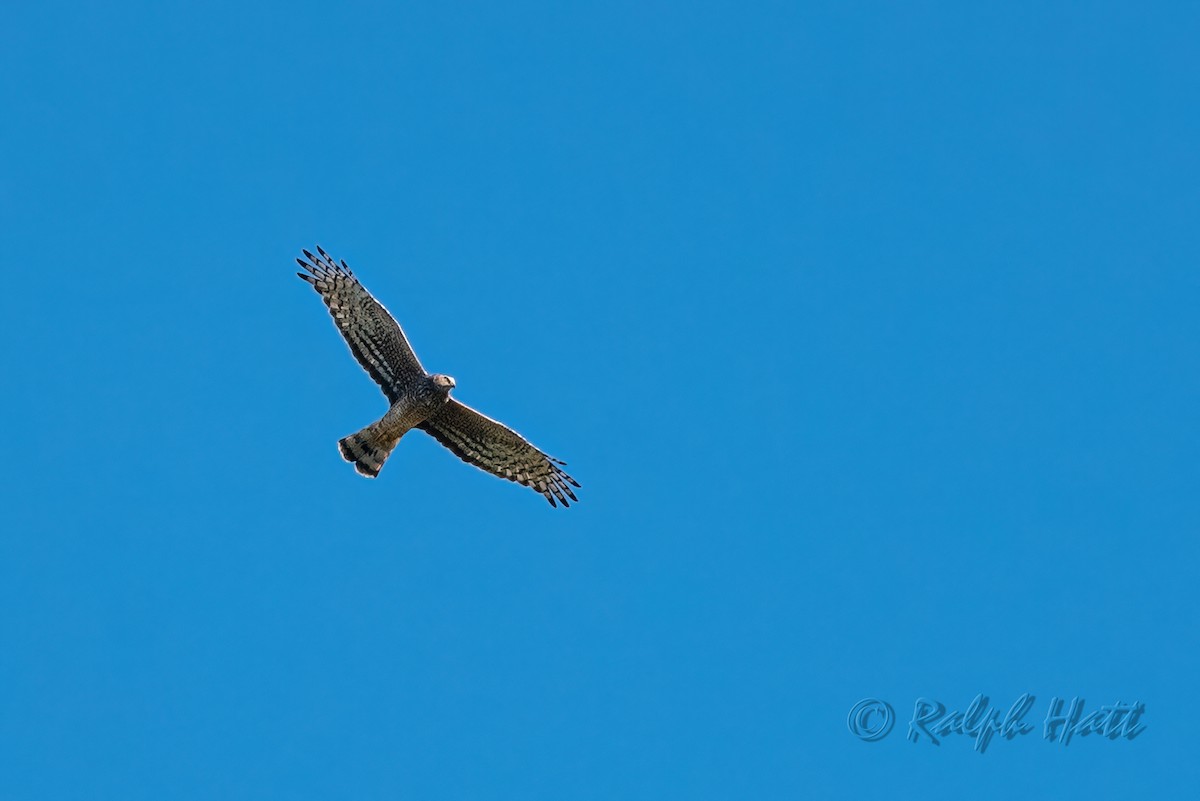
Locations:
column 420, row 400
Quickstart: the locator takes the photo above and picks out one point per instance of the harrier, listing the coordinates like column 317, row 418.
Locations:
column 418, row 399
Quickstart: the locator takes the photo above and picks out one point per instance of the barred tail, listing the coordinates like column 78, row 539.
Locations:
column 366, row 450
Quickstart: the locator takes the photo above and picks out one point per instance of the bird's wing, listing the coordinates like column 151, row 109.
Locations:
column 374, row 336
column 481, row 441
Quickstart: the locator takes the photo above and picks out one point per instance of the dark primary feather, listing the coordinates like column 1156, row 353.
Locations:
column 492, row 446
column 374, row 336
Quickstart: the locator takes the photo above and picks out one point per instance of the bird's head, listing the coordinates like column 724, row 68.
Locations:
column 443, row 382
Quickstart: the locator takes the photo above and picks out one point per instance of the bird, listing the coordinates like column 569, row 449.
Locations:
column 419, row 400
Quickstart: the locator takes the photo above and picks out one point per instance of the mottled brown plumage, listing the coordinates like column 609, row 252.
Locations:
column 418, row 399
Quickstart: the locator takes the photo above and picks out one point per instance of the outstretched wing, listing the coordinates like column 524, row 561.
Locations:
column 374, row 336
column 483, row 442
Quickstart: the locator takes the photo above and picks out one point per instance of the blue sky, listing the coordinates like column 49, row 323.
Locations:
column 869, row 329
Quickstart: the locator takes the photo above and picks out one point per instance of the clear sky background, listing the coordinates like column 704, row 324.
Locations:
column 869, row 329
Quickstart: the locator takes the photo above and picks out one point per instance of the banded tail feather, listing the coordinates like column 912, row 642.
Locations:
column 366, row 450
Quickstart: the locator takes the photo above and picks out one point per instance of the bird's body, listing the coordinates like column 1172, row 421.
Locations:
column 418, row 399
column 408, row 413
column 369, row 448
